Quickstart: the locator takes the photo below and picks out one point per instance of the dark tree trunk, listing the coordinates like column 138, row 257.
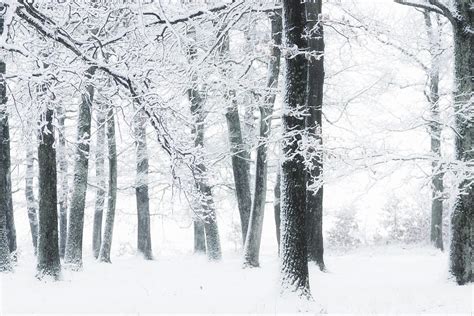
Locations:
column 254, row 234
column 5, row 158
column 277, row 208
column 5, row 261
column 314, row 200
column 199, row 237
column 48, row 250
column 435, row 135
column 73, row 255
column 294, row 255
column 31, row 205
column 141, row 189
column 5, row 264
column 63, row 183
column 462, row 220
column 104, row 255
column 240, row 162
column 240, row 155
column 100, row 180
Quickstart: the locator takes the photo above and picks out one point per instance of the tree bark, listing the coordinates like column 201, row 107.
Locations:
column 48, row 250
column 254, row 234
column 63, row 183
column 240, row 155
column 141, row 189
column 104, row 255
column 435, row 136
column 294, row 255
column 31, row 205
column 73, row 255
column 314, row 200
column 5, row 159
column 462, row 220
column 100, row 180
column 277, row 208
column 206, row 232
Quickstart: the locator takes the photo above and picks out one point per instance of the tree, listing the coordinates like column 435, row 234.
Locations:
column 106, row 246
column 48, row 250
column 5, row 159
column 294, row 256
column 435, row 132
column 100, row 180
column 206, row 233
column 254, row 234
column 73, row 255
column 240, row 155
column 141, row 188
column 461, row 17
column 314, row 193
column 63, row 183
column 31, row 204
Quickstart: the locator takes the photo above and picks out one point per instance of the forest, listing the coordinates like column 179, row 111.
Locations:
column 232, row 156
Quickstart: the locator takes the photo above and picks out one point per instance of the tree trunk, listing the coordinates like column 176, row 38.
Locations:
column 435, row 135
column 206, row 233
column 240, row 155
column 5, row 158
column 100, row 180
column 254, row 234
column 277, row 208
column 63, row 183
column 294, row 255
column 314, row 200
column 48, row 250
column 31, row 205
column 240, row 162
column 462, row 220
column 5, row 261
column 104, row 255
column 141, row 189
column 73, row 255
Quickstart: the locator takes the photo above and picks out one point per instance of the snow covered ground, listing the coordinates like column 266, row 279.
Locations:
column 370, row 281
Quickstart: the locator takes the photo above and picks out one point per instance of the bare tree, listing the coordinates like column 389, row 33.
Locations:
column 31, row 204
column 314, row 193
column 100, row 180
column 141, row 187
column 106, row 246
column 254, row 234
column 49, row 264
column 73, row 255
column 294, row 255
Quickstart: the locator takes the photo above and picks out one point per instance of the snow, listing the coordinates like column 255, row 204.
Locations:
column 397, row 279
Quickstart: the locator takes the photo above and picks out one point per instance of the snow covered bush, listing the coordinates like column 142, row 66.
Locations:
column 405, row 223
column 345, row 234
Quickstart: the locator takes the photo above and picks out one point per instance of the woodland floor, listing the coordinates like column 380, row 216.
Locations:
column 397, row 279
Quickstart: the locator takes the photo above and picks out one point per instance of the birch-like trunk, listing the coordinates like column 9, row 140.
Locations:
column 462, row 220
column 75, row 231
column 294, row 255
column 63, row 182
column 141, row 188
column 254, row 234
column 31, row 203
column 100, row 181
column 49, row 264
column 104, row 255
column 314, row 200
column 277, row 207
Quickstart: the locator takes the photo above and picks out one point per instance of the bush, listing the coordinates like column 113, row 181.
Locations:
column 346, row 233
